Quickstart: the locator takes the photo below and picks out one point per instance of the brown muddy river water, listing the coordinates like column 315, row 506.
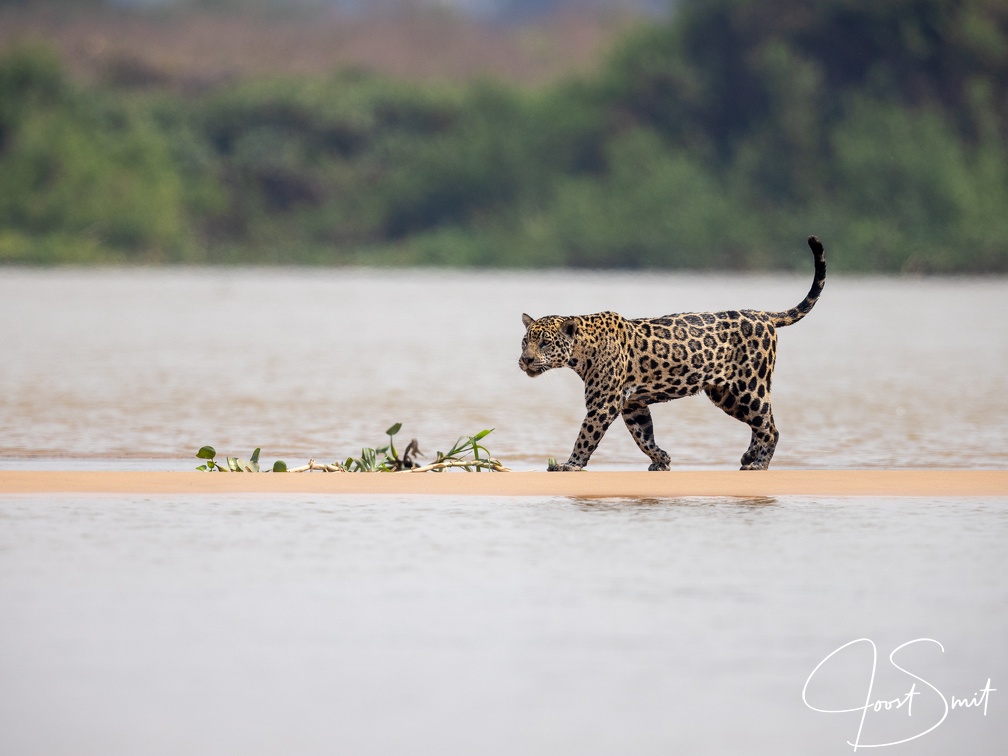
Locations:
column 99, row 368
column 319, row 625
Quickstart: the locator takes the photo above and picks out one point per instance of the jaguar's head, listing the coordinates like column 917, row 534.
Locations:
column 548, row 343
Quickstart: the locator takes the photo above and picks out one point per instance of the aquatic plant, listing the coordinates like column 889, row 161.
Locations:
column 234, row 464
column 467, row 454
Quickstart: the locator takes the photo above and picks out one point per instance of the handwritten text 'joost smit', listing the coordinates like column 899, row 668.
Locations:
column 902, row 704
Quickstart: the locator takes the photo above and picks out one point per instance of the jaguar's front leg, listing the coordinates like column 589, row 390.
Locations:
column 637, row 417
column 601, row 414
column 555, row 466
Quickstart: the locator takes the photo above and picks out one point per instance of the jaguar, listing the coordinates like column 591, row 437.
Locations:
column 628, row 365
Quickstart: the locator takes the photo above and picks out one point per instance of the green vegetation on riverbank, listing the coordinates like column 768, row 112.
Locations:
column 719, row 139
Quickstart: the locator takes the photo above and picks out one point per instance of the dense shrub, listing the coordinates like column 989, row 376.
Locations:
column 75, row 167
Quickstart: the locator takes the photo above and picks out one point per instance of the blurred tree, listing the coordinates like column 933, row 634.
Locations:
column 71, row 165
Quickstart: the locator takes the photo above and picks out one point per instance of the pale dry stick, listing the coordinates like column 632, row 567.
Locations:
column 487, row 464
column 312, row 466
column 491, row 465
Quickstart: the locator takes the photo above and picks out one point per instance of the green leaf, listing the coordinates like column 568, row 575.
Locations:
column 232, row 463
column 482, row 434
column 368, row 457
column 255, row 456
column 202, row 468
column 279, row 466
column 206, row 452
column 394, row 429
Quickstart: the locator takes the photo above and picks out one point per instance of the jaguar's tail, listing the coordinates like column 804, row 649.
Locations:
column 788, row 317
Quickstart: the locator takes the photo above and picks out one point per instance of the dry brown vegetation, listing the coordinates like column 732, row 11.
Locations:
column 201, row 49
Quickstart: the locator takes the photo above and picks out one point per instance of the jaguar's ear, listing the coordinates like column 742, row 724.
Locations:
column 569, row 328
column 527, row 319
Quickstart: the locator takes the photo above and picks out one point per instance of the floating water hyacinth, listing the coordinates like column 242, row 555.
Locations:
column 467, row 454
column 234, row 464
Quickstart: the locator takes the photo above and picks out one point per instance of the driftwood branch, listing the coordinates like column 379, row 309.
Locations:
column 313, row 465
column 466, row 464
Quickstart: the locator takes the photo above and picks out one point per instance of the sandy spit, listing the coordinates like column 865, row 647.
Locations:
column 578, row 484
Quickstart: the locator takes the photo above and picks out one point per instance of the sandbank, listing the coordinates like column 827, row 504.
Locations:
column 586, row 484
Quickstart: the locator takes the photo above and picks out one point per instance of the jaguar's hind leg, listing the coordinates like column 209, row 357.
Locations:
column 763, row 443
column 637, row 417
column 755, row 413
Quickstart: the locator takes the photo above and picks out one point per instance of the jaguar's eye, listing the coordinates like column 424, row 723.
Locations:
column 543, row 344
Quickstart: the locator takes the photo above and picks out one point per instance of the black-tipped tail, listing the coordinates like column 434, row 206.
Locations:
column 789, row 317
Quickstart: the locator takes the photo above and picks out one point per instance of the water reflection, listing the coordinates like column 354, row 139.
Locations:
column 631, row 503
